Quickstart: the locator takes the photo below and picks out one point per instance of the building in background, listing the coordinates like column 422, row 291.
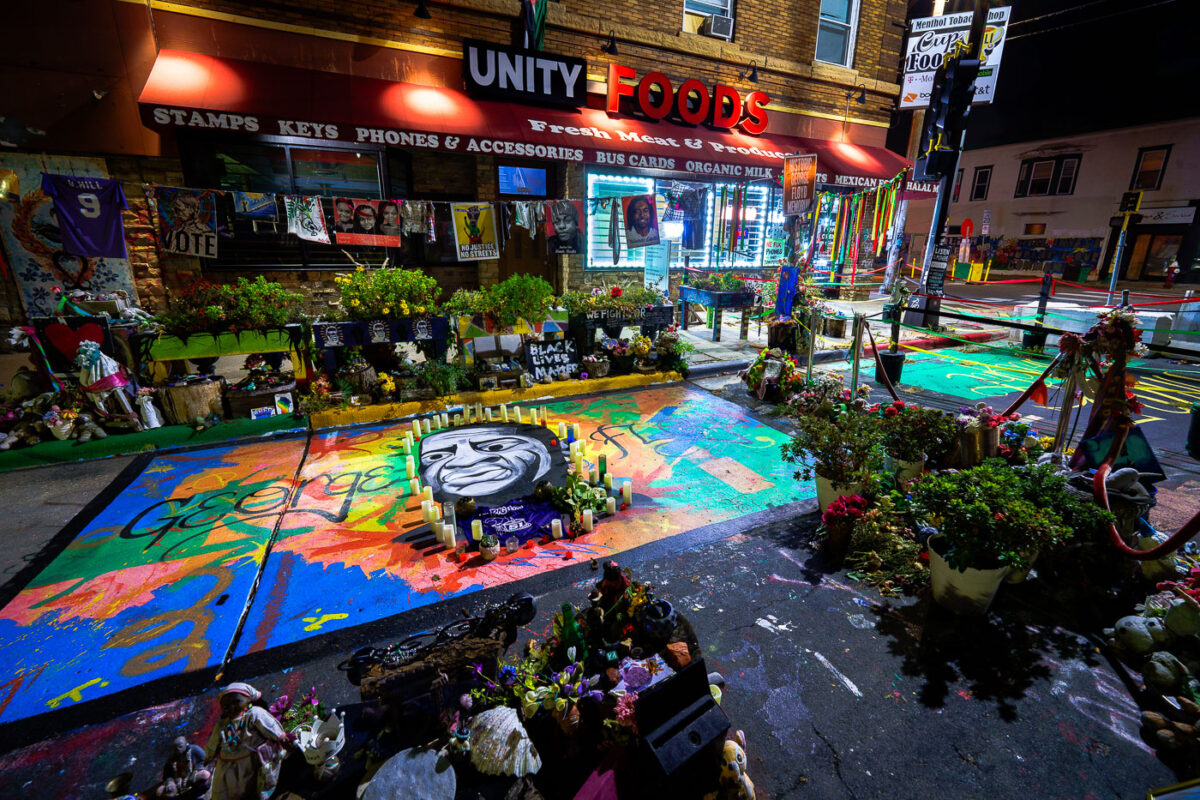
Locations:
column 368, row 100
column 1052, row 204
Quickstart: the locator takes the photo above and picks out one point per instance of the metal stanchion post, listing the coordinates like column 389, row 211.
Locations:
column 1124, row 297
column 813, row 321
column 859, row 319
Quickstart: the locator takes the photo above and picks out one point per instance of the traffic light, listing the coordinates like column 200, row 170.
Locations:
column 949, row 104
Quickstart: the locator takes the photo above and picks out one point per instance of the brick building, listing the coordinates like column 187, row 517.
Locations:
column 363, row 100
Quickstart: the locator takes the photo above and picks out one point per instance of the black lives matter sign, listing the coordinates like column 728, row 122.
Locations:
column 548, row 359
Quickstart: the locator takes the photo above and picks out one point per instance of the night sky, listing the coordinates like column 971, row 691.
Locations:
column 1100, row 64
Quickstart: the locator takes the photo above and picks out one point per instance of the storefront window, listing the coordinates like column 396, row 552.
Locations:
column 336, row 173
column 699, row 237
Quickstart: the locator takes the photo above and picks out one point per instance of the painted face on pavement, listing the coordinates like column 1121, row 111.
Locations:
column 482, row 461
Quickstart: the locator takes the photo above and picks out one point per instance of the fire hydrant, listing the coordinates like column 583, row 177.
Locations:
column 1172, row 273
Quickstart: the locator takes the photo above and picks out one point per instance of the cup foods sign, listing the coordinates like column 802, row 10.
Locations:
column 932, row 37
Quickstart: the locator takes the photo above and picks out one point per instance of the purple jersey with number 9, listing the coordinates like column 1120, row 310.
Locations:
column 89, row 214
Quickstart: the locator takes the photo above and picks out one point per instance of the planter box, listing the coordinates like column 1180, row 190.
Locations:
column 331, row 336
column 477, row 325
column 166, row 347
column 651, row 320
column 704, row 297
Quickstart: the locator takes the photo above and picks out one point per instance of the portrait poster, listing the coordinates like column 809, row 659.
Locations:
column 474, row 231
column 306, row 218
column 33, row 241
column 565, row 227
column 187, row 219
column 640, row 212
column 367, row 222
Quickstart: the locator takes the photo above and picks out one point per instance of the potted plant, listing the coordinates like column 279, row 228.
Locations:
column 986, row 527
column 641, row 348
column 595, row 366
column 845, row 450
column 910, row 433
column 489, row 547
column 518, row 297
column 839, row 520
column 618, row 354
column 979, row 432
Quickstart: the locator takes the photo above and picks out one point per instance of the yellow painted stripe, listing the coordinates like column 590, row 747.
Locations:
column 336, row 417
column 392, row 44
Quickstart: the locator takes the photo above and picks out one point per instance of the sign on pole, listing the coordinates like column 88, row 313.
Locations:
column 799, row 184
column 930, row 38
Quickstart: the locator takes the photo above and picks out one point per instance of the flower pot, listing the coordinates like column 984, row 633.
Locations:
column 827, row 491
column 991, row 442
column 904, row 470
column 1019, row 575
column 61, row 431
column 490, row 552
column 893, row 367
column 835, row 327
column 970, row 447
column 622, row 365
column 596, row 370
column 966, row 592
column 836, row 544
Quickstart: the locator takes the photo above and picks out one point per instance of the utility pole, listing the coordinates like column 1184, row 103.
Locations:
column 1130, row 203
column 950, row 102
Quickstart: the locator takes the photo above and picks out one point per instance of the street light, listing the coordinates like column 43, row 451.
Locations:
column 861, row 100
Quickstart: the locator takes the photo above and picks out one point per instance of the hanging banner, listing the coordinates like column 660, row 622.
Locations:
column 658, row 267
column 565, row 223
column 930, row 38
column 305, row 218
column 369, row 222
column 641, row 220
column 799, row 184
column 188, row 221
column 255, row 205
column 474, row 231
column 33, row 240
column 785, row 296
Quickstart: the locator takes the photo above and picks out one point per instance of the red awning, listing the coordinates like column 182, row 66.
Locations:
column 188, row 90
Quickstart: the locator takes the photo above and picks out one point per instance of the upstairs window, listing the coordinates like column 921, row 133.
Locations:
column 1045, row 177
column 1149, row 169
column 835, row 31
column 709, row 18
column 980, row 183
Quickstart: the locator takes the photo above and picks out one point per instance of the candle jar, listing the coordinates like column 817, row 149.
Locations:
column 512, row 544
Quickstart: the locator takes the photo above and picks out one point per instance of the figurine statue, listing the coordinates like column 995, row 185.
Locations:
column 248, row 744
column 611, row 587
column 185, row 773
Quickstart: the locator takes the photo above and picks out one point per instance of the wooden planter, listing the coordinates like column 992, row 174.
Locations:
column 719, row 302
column 651, row 320
column 165, row 347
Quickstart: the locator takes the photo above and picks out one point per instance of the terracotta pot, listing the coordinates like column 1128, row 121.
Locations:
column 966, row 592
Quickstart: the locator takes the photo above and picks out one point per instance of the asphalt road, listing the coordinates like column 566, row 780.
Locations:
column 841, row 693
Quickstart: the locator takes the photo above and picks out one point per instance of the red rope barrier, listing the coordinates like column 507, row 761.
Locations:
column 1105, row 291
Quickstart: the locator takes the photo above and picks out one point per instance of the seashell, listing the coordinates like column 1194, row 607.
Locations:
column 501, row 746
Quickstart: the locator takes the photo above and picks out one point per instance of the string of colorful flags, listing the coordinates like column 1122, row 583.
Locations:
column 842, row 225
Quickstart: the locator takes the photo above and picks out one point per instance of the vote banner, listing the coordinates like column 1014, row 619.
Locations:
column 474, row 231
column 187, row 220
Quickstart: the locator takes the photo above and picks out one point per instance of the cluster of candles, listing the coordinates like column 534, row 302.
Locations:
column 441, row 517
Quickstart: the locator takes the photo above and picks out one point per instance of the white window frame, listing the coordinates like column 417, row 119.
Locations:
column 726, row 7
column 855, row 10
column 1033, row 168
column 1165, row 149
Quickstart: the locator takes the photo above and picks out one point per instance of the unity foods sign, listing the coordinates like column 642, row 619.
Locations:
column 932, row 37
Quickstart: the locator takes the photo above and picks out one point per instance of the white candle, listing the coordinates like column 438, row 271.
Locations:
column 627, row 492
column 488, row 414
column 595, row 477
column 425, row 511
column 410, row 468
column 575, row 430
column 406, row 446
column 562, row 430
column 408, row 440
column 449, row 535
column 416, row 431
column 427, row 492
column 608, row 481
column 504, row 411
column 414, row 486
column 445, row 421
column 425, row 424
column 544, row 416
column 556, row 528
column 479, row 411
column 476, row 530
column 533, row 416
column 587, row 520
column 520, row 415
column 611, row 507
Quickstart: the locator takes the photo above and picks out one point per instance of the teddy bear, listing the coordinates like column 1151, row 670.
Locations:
column 735, row 784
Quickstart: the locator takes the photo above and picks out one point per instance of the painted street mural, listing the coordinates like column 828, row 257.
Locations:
column 155, row 584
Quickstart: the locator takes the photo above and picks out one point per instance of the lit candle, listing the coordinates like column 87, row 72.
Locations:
column 607, row 480
column 587, row 520
column 544, row 416
column 627, row 492
column 410, row 469
column 416, row 431
column 438, row 536
column 562, row 430
column 611, row 506
column 488, row 414
column 520, row 416
column 595, row 477
column 414, row 486
column 556, row 528
column 479, row 411
column 476, row 530
column 445, row 420
column 603, row 464
column 425, row 511
column 427, row 493
column 533, row 416
column 406, row 446
column 425, row 424
column 408, row 440
column 504, row 411
column 575, row 430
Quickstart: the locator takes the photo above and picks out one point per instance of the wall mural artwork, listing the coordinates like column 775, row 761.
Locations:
column 155, row 584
